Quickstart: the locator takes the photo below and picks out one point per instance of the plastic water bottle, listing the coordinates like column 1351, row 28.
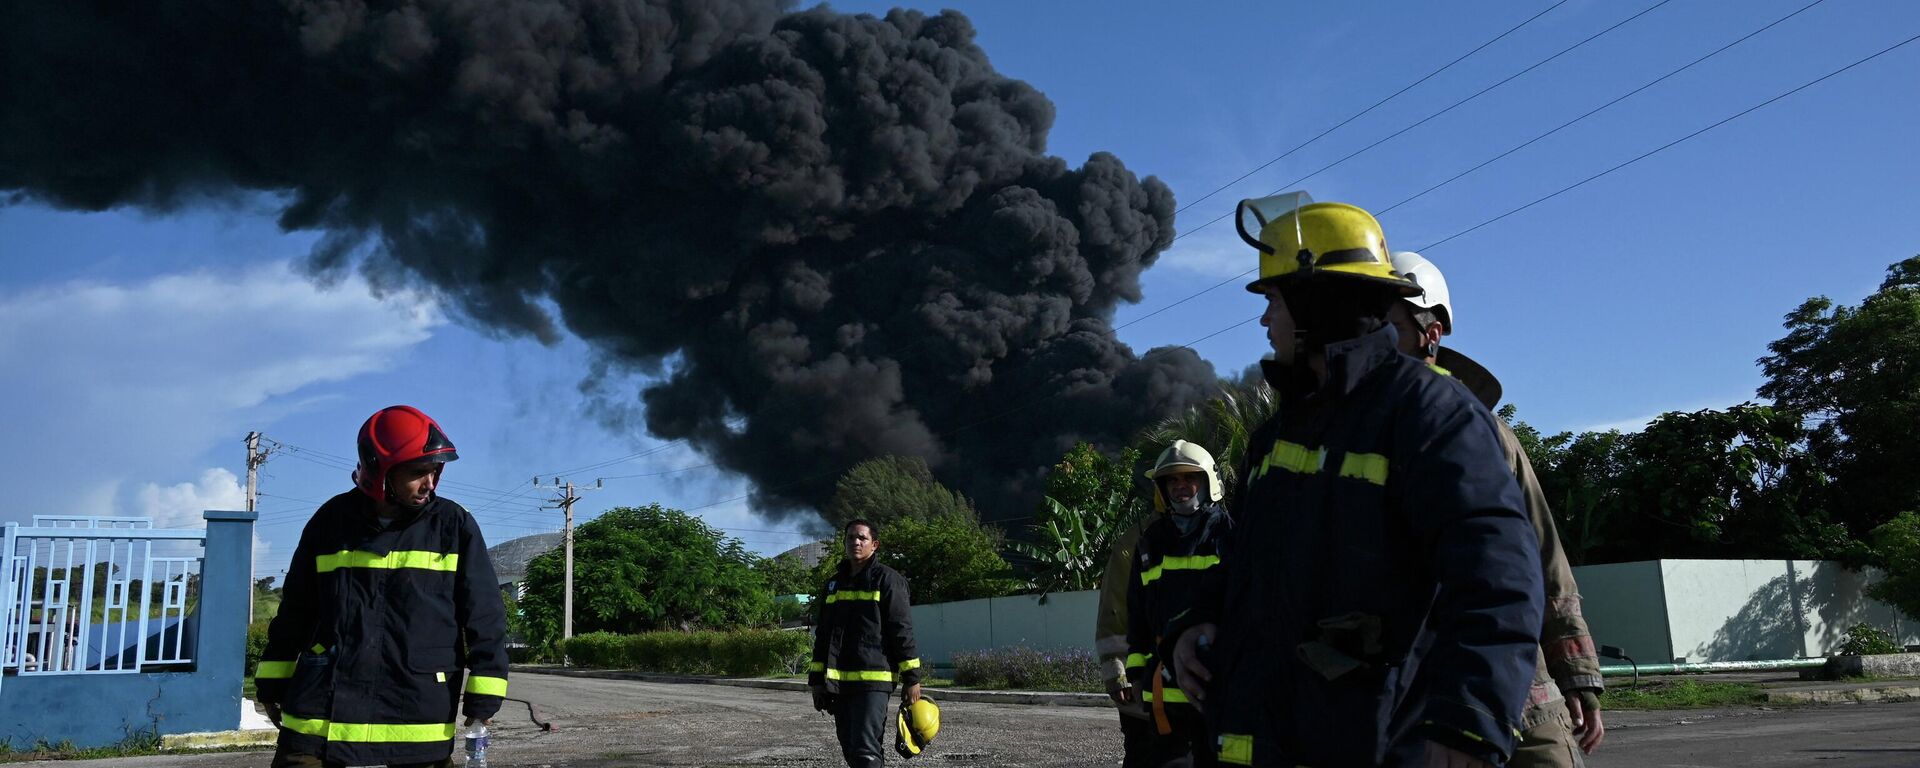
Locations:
column 477, row 746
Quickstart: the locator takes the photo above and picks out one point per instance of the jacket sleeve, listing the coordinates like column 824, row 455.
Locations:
column 293, row 628
column 817, row 666
column 482, row 617
column 1567, row 644
column 1465, row 507
column 1110, row 627
column 1142, row 637
column 896, row 630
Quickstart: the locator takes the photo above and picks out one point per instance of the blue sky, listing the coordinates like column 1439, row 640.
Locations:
column 140, row 349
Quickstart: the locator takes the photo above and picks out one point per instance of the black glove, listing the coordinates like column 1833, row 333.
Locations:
column 822, row 699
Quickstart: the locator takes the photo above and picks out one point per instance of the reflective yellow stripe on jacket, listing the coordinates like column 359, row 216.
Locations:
column 909, row 664
column 273, row 670
column 426, row 561
column 872, row 597
column 1139, row 660
column 861, row 675
column 369, row 732
column 1169, row 696
column 1236, row 749
column 1301, row 460
column 1178, row 563
column 487, row 686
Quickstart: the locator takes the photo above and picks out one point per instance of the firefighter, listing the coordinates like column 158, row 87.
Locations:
column 1562, row 720
column 1137, row 733
column 1173, row 554
column 390, row 616
column 863, row 645
column 1380, row 596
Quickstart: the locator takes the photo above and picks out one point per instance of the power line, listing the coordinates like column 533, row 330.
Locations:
column 1449, row 108
column 1597, row 110
column 1370, row 108
column 1670, row 144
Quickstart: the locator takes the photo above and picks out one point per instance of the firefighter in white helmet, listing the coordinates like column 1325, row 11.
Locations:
column 1173, row 557
column 1563, row 713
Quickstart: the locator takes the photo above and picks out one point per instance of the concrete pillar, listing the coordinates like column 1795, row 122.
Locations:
column 226, row 595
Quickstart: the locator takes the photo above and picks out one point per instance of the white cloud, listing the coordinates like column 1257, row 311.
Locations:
column 114, row 386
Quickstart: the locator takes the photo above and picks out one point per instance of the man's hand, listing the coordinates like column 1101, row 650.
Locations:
column 1120, row 691
column 1186, row 663
column 1442, row 756
column 912, row 693
column 822, row 700
column 1588, row 728
column 487, row 722
column 273, row 712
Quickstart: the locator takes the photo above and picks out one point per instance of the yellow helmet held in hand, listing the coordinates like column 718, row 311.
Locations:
column 1298, row 238
column 919, row 722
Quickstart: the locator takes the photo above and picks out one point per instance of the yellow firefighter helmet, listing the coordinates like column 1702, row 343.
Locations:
column 919, row 722
column 1298, row 238
column 1183, row 456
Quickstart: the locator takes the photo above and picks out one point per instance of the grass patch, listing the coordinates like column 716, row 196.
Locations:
column 1682, row 694
column 137, row 745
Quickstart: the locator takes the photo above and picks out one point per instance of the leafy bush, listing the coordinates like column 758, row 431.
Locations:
column 1896, row 549
column 256, row 643
column 740, row 654
column 1864, row 640
column 1023, row 668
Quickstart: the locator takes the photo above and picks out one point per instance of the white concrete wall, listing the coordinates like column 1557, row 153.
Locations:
column 1065, row 621
column 1704, row 610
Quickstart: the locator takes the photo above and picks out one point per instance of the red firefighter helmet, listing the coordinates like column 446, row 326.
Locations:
column 395, row 435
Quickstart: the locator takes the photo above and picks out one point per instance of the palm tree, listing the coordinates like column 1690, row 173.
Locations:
column 1222, row 425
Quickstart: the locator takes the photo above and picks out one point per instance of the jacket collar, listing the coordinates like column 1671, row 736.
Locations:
column 1478, row 380
column 1348, row 363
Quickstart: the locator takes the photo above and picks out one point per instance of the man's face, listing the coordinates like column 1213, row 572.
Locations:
column 860, row 543
column 1183, row 489
column 1413, row 338
column 1279, row 324
column 413, row 483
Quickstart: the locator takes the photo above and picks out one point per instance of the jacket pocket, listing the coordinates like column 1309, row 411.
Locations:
column 430, row 659
column 310, row 689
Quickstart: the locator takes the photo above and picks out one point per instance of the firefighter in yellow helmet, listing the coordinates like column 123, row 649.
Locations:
column 1379, row 599
column 1175, row 553
column 1563, row 710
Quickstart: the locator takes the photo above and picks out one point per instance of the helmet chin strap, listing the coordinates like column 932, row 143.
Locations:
column 1188, row 507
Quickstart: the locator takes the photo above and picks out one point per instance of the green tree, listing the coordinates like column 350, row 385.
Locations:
column 1855, row 372
column 1580, row 477
column 1896, row 546
column 638, row 569
column 785, row 575
column 890, row 489
column 948, row 557
column 1091, row 500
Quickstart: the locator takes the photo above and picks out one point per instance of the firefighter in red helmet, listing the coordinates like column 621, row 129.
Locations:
column 391, row 616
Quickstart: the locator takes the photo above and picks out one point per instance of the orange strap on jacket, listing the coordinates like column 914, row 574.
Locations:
column 1160, row 701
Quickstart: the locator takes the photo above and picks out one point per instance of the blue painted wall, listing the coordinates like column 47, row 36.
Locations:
column 95, row 710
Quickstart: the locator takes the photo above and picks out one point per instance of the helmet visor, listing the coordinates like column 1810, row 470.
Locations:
column 1253, row 215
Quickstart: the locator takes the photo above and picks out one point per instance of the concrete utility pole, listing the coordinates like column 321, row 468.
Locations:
column 255, row 458
column 569, row 494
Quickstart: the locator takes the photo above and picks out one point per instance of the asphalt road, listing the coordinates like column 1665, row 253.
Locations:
column 606, row 723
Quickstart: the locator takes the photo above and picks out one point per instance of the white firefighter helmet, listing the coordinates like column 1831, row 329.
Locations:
column 1183, row 456
column 1435, row 299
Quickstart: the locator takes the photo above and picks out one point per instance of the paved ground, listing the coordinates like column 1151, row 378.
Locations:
column 606, row 723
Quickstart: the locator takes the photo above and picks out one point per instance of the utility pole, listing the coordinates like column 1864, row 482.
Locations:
column 255, row 458
column 569, row 493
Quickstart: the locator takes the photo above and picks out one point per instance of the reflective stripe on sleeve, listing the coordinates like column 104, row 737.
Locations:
column 273, row 670
column 836, row 597
column 1136, row 660
column 1179, row 563
column 487, row 686
column 426, row 561
column 909, row 664
column 816, row 667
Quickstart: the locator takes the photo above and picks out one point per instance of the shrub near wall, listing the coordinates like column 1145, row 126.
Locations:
column 744, row 653
column 1026, row 669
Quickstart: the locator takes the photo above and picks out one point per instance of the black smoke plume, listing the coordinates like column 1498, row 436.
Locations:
column 822, row 237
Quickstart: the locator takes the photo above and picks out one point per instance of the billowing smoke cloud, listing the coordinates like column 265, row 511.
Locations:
column 823, row 237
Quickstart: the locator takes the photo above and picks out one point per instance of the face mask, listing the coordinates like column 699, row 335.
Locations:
column 1187, row 507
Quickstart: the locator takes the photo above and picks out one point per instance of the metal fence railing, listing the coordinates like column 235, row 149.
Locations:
column 97, row 595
